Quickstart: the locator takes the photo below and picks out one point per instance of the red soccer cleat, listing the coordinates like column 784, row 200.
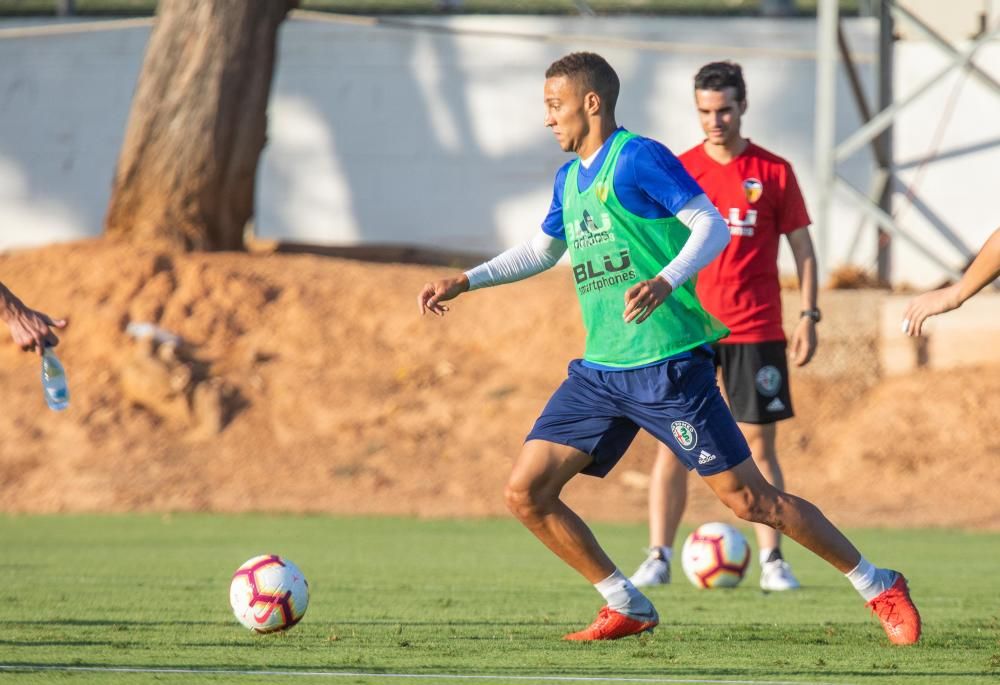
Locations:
column 898, row 615
column 611, row 625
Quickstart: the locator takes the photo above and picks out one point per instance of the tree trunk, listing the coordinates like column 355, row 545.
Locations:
column 198, row 124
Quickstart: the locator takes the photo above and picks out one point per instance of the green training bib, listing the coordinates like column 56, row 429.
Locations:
column 612, row 250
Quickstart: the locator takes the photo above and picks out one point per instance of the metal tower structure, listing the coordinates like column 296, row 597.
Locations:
column 875, row 131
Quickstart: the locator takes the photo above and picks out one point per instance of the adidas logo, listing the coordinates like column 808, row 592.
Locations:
column 705, row 457
column 776, row 405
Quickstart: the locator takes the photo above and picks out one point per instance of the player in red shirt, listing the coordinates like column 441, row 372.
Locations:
column 756, row 192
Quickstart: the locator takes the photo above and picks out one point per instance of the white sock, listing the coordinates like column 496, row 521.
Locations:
column 622, row 596
column 869, row 580
column 667, row 553
column 765, row 553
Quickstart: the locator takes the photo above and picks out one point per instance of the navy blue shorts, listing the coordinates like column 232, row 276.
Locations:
column 678, row 402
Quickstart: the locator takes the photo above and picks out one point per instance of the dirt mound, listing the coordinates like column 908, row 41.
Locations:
column 335, row 396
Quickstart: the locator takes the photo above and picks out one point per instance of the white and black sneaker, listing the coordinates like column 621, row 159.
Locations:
column 654, row 571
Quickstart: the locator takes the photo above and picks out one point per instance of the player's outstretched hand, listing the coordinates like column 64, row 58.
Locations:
column 927, row 305
column 434, row 293
column 642, row 299
column 32, row 330
column 804, row 341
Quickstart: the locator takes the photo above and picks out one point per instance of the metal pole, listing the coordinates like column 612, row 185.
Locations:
column 65, row 8
column 828, row 18
column 854, row 79
column 883, row 143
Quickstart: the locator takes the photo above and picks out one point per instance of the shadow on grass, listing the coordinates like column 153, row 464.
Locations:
column 110, row 622
column 657, row 673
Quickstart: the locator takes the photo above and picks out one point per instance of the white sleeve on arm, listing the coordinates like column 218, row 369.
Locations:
column 709, row 236
column 519, row 262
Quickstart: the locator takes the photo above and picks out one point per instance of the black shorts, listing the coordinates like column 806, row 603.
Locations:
column 755, row 376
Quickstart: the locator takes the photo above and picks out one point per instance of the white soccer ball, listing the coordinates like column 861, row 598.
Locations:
column 268, row 594
column 715, row 555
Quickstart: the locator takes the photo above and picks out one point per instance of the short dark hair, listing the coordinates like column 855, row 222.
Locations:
column 592, row 71
column 721, row 75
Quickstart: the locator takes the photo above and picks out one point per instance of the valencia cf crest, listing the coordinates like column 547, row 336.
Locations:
column 753, row 189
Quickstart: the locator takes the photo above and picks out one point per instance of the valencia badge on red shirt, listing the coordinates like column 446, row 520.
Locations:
column 753, row 189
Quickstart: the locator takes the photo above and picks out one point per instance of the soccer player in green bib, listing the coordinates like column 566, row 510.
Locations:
column 638, row 229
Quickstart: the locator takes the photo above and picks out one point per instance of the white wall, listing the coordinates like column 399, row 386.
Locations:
column 389, row 135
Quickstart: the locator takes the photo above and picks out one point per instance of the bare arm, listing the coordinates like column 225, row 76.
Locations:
column 804, row 341
column 30, row 329
column 985, row 269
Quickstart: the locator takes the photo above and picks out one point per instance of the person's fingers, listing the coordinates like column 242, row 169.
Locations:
column 638, row 298
column 54, row 323
column 432, row 301
column 909, row 318
column 649, row 306
column 804, row 345
column 630, row 306
column 911, row 321
column 795, row 347
column 634, row 309
column 39, row 336
column 645, row 307
column 422, row 299
column 802, row 355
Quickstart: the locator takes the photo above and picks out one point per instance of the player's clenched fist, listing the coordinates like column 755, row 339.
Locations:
column 436, row 292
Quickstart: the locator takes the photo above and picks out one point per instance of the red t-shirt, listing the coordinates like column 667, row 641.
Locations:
column 758, row 195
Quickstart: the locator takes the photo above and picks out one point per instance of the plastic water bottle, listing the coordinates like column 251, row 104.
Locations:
column 54, row 381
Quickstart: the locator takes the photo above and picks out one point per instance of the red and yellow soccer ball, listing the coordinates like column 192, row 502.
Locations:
column 268, row 594
column 715, row 555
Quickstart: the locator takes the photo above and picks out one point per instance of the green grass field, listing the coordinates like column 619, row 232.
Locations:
column 394, row 597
